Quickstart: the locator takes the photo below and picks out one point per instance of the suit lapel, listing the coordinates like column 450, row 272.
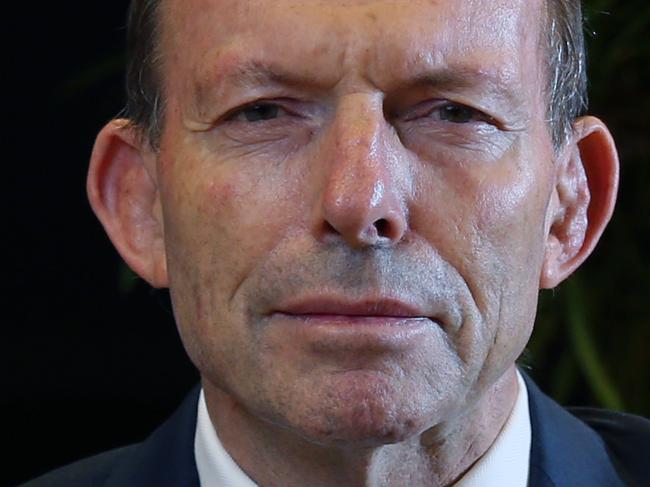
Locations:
column 166, row 458
column 564, row 450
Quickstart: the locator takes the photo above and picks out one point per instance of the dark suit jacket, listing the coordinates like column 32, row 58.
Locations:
column 581, row 448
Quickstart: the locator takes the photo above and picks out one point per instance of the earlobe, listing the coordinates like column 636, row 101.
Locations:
column 124, row 195
column 583, row 200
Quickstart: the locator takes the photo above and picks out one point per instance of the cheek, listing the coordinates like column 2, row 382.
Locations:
column 211, row 220
column 214, row 237
column 487, row 221
column 470, row 209
column 511, row 209
column 197, row 210
column 223, row 218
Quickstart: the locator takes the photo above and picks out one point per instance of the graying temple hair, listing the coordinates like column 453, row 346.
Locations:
column 566, row 67
column 565, row 64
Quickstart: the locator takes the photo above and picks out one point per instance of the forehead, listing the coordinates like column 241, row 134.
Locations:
column 381, row 40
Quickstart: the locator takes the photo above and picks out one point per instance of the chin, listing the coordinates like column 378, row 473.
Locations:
column 361, row 413
column 362, row 427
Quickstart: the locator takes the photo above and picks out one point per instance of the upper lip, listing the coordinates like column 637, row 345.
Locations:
column 342, row 306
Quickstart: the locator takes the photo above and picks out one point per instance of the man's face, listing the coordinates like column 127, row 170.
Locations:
column 355, row 202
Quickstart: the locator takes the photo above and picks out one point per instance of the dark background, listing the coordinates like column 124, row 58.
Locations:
column 90, row 355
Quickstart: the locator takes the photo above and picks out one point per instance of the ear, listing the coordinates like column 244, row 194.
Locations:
column 124, row 195
column 583, row 200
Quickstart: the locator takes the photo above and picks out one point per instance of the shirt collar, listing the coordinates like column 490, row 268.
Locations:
column 215, row 466
column 505, row 463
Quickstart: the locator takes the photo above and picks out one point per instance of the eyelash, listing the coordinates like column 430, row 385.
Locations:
column 474, row 115
column 241, row 111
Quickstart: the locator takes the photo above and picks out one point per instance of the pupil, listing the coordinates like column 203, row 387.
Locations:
column 257, row 113
column 457, row 114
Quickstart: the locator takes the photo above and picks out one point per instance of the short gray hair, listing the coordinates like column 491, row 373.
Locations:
column 566, row 67
column 565, row 63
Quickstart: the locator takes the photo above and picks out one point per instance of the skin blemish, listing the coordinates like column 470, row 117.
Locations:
column 322, row 49
column 219, row 195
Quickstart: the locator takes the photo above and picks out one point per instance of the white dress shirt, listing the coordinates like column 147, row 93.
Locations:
column 505, row 464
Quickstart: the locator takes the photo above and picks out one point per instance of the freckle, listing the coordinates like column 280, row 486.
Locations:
column 321, row 49
column 372, row 16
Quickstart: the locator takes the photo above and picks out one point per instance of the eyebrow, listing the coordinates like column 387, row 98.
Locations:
column 253, row 74
column 258, row 73
column 249, row 74
column 462, row 76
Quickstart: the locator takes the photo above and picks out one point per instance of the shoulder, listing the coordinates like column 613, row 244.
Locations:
column 91, row 472
column 164, row 459
column 585, row 446
column 626, row 437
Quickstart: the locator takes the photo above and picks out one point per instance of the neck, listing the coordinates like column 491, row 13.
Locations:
column 274, row 456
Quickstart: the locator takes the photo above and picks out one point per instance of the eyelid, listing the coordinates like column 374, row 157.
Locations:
column 281, row 103
column 426, row 108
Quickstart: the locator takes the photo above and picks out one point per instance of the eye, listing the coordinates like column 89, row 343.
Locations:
column 456, row 113
column 257, row 112
column 449, row 112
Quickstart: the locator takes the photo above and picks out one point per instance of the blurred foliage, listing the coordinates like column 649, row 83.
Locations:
column 592, row 336
column 591, row 340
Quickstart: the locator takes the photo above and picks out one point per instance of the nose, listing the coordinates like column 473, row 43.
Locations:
column 361, row 201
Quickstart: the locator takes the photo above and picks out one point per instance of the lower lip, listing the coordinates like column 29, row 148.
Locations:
column 379, row 329
column 353, row 320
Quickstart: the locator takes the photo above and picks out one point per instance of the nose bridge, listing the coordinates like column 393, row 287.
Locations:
column 357, row 155
column 361, row 199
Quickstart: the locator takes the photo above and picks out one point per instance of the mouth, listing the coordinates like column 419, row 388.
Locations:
column 369, row 308
column 349, row 329
column 342, row 313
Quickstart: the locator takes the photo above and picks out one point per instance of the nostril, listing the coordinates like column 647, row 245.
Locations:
column 329, row 228
column 382, row 226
